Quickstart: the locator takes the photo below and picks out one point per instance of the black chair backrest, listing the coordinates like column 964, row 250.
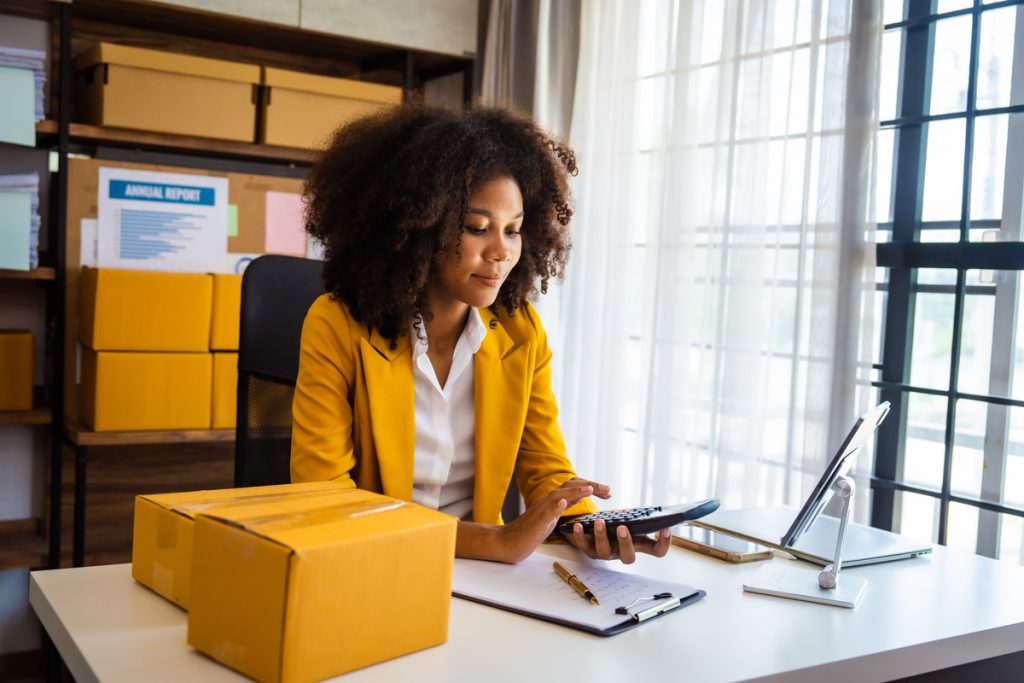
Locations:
column 277, row 291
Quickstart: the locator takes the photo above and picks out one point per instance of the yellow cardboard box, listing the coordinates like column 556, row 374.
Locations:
column 124, row 390
column 131, row 87
column 302, row 110
column 227, row 307
column 162, row 536
column 225, row 390
column 17, row 361
column 319, row 586
column 136, row 310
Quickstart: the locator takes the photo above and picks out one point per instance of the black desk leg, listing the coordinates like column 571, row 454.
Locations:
column 78, row 543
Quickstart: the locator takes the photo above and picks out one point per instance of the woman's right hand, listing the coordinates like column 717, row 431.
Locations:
column 519, row 538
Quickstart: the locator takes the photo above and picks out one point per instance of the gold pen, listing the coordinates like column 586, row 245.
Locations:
column 574, row 581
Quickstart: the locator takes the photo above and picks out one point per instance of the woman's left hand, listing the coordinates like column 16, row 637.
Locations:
column 625, row 548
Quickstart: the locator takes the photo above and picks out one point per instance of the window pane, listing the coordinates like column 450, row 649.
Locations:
column 943, row 6
column 893, row 12
column 889, row 74
column 885, row 142
column 933, row 337
column 917, row 516
column 995, row 57
column 968, row 449
column 944, row 171
column 924, row 451
column 1011, row 538
column 989, row 166
column 976, row 340
column 951, row 65
column 962, row 527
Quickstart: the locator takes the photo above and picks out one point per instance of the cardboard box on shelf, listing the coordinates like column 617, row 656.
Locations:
column 227, row 306
column 127, row 390
column 302, row 110
column 17, row 362
column 131, row 87
column 225, row 390
column 162, row 535
column 319, row 586
column 136, row 310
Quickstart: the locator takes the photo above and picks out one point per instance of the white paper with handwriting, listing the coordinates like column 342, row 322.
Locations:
column 532, row 586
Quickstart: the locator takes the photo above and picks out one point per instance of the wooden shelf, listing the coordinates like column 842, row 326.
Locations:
column 80, row 435
column 126, row 137
column 40, row 415
column 34, row 274
column 22, row 544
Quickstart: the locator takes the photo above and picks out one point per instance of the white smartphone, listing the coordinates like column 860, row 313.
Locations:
column 716, row 544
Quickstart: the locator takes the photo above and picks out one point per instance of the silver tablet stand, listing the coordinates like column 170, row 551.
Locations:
column 829, row 576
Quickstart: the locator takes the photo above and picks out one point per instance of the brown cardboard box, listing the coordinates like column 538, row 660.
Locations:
column 225, row 390
column 131, row 87
column 137, row 310
column 317, row 586
column 17, row 360
column 303, row 110
column 227, row 306
column 162, row 534
column 136, row 391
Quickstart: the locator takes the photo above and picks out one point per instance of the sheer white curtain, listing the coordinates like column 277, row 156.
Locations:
column 713, row 312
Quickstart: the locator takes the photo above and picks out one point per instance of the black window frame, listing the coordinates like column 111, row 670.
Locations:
column 904, row 254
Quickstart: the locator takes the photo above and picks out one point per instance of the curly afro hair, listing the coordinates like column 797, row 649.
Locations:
column 390, row 195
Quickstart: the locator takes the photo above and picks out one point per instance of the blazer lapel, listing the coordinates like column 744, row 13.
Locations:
column 389, row 387
column 500, row 400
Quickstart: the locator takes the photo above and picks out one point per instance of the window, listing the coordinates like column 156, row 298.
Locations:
column 949, row 464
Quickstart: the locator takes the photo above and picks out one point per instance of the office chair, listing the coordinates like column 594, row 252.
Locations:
column 276, row 293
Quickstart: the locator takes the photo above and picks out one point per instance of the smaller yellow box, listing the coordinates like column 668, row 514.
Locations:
column 225, row 390
column 124, row 390
column 162, row 534
column 316, row 587
column 132, row 87
column 135, row 310
column 227, row 307
column 303, row 110
column 17, row 361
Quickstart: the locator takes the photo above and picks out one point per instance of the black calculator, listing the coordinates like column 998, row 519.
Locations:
column 643, row 520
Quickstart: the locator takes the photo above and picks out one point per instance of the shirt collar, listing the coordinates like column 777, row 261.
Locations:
column 473, row 334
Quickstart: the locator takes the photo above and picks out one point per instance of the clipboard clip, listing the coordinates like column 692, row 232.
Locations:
column 653, row 610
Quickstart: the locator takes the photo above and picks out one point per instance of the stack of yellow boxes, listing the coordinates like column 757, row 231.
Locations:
column 227, row 303
column 299, row 582
column 146, row 356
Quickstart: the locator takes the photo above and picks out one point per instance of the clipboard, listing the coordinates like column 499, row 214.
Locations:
column 533, row 589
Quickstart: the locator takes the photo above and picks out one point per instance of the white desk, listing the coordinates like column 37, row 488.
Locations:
column 917, row 616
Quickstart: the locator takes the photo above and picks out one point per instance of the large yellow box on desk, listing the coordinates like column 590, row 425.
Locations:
column 319, row 586
column 162, row 537
column 131, row 87
column 225, row 390
column 17, row 361
column 227, row 308
column 302, row 110
column 137, row 310
column 124, row 390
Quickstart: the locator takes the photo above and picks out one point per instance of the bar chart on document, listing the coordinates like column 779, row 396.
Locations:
column 161, row 221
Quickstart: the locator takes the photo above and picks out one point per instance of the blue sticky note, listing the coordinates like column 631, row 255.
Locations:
column 17, row 106
column 15, row 226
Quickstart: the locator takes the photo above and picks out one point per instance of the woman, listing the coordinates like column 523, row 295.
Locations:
column 425, row 373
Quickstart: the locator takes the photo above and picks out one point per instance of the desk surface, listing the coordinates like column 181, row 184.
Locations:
column 917, row 615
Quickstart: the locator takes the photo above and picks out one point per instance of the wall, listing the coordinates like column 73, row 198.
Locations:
column 445, row 26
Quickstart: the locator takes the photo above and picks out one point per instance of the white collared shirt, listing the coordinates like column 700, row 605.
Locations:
column 444, row 464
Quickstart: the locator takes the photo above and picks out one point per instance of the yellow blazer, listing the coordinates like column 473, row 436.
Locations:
column 354, row 419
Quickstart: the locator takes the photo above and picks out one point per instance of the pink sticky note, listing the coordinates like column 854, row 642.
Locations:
column 285, row 230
